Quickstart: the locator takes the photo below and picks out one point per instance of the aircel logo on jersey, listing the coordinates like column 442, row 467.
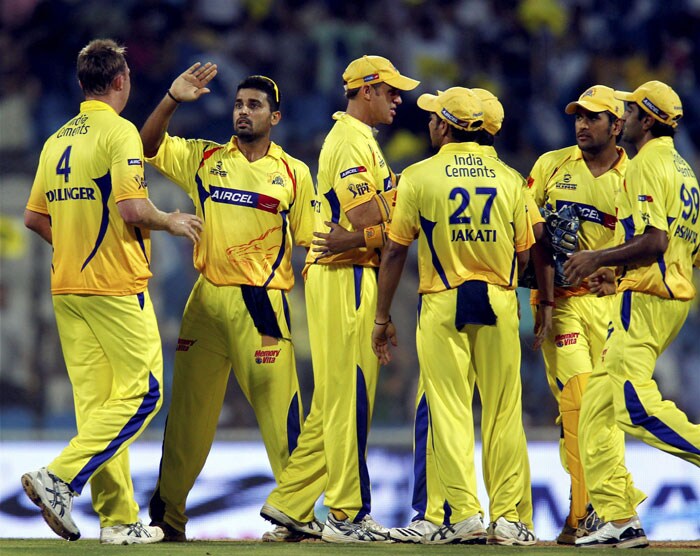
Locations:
column 134, row 162
column 266, row 355
column 184, row 345
column 565, row 183
column 70, row 194
column 561, row 340
column 351, row 171
column 358, row 189
column 591, row 214
column 243, row 198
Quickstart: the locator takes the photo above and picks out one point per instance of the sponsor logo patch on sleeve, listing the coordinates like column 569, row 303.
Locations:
column 645, row 198
column 134, row 162
column 351, row 171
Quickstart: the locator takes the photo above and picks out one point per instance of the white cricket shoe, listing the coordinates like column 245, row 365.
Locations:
column 414, row 532
column 281, row 534
column 346, row 531
column 55, row 499
column 131, row 533
column 467, row 531
column 510, row 533
column 627, row 535
column 309, row 529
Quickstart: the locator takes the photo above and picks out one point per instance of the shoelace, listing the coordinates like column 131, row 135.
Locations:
column 62, row 497
column 371, row 525
column 137, row 530
column 591, row 522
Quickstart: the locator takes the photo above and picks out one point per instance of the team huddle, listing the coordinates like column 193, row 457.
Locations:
column 607, row 244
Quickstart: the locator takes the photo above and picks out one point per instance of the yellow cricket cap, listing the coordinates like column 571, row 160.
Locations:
column 493, row 110
column 375, row 69
column 458, row 106
column 658, row 100
column 598, row 98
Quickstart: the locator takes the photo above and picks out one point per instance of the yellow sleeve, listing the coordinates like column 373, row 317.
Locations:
column 532, row 210
column 301, row 215
column 524, row 237
column 405, row 223
column 354, row 181
column 537, row 180
column 178, row 160
column 126, row 165
column 37, row 196
column 647, row 196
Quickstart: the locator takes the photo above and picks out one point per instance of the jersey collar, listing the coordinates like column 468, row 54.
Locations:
column 468, row 146
column 91, row 105
column 362, row 127
column 275, row 151
column 620, row 166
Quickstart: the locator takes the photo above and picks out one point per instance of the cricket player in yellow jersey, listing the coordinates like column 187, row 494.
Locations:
column 247, row 192
column 572, row 322
column 428, row 501
column 89, row 201
column 355, row 190
column 468, row 212
column 658, row 227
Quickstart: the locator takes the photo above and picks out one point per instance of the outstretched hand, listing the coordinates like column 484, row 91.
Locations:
column 192, row 83
column 337, row 240
column 581, row 265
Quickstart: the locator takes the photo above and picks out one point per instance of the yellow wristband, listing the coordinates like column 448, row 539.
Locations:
column 375, row 236
column 386, row 201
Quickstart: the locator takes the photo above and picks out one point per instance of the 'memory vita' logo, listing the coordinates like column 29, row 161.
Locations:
column 266, row 355
column 184, row 345
column 569, row 339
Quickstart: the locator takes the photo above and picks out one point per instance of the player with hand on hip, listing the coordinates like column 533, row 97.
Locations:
column 250, row 195
column 467, row 210
column 657, row 231
column 572, row 321
column 355, row 190
column 90, row 201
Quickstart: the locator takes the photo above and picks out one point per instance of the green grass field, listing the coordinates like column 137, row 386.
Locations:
column 224, row 548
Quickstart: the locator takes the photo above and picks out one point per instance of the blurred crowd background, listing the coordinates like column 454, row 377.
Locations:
column 535, row 55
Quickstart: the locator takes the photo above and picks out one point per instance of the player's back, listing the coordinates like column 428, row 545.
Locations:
column 472, row 217
column 90, row 163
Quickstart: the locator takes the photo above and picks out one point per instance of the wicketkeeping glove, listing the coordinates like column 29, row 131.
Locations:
column 562, row 227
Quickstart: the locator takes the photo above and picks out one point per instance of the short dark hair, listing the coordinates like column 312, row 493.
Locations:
column 464, row 136
column 267, row 86
column 658, row 129
column 484, row 138
column 98, row 64
column 352, row 93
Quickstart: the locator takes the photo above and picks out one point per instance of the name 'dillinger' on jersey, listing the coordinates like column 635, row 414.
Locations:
column 243, row 198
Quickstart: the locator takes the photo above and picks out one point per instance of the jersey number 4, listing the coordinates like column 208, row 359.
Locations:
column 458, row 216
column 63, row 166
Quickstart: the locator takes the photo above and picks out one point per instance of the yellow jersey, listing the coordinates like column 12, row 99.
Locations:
column 351, row 170
column 661, row 190
column 249, row 209
column 562, row 177
column 90, row 164
column 467, row 210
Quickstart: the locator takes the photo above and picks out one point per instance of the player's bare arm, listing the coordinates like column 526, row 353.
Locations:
column 544, row 271
column 143, row 213
column 643, row 249
column 393, row 260
column 39, row 223
column 187, row 87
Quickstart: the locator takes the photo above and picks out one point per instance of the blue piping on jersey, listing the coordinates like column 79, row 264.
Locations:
column 628, row 226
column 362, row 413
column 293, row 424
column 142, row 244
column 420, row 307
column 662, row 267
column 654, row 425
column 420, row 436
column 285, row 308
column 283, row 245
column 148, row 406
column 142, row 299
column 428, row 226
column 357, row 279
column 513, row 266
column 332, row 198
column 626, row 309
column 104, row 184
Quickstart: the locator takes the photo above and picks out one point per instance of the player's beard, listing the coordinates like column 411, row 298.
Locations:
column 248, row 134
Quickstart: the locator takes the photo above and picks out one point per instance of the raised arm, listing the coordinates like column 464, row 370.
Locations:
column 187, row 87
